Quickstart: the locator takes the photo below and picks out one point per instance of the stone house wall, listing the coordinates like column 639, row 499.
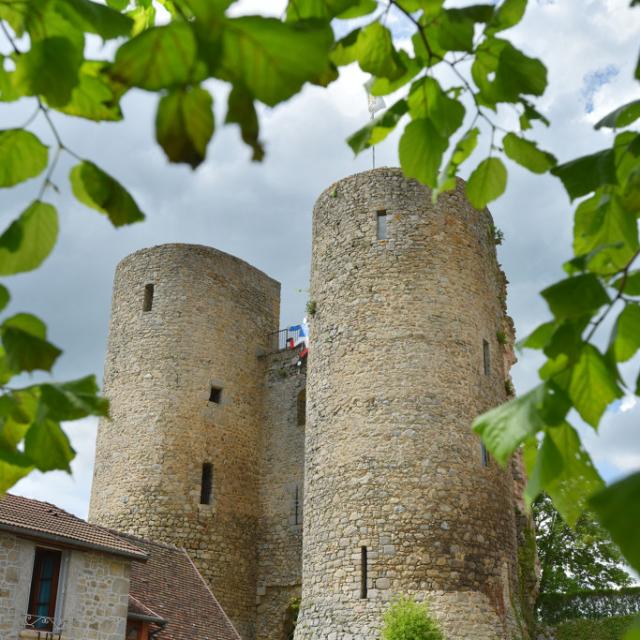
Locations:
column 282, row 474
column 209, row 320
column 94, row 592
column 394, row 476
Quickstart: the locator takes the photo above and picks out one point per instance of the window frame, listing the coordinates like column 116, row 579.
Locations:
column 36, row 581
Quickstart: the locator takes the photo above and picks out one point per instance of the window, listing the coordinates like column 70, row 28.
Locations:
column 215, row 395
column 363, row 572
column 302, row 408
column 148, row 297
column 206, row 484
column 485, row 455
column 44, row 589
column 297, row 507
column 381, row 225
column 487, row 357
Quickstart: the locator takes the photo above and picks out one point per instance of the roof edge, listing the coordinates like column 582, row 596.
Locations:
column 72, row 542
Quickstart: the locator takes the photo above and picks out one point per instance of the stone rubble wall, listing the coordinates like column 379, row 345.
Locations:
column 395, row 378
column 209, row 322
column 94, row 592
column 282, row 470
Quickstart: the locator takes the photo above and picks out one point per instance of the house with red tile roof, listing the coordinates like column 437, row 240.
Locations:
column 62, row 578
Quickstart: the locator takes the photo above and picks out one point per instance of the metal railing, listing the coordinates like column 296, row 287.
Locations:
column 46, row 624
column 283, row 339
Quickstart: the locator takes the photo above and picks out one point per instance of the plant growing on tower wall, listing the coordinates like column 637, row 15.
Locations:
column 408, row 620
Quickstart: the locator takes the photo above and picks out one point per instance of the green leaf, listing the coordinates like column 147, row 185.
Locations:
column 184, row 124
column 575, row 297
column 605, row 233
column 421, row 149
column 49, row 69
column 22, row 156
column 384, row 86
column 48, row 447
column 29, row 239
column 588, row 173
column 345, row 50
column 621, row 117
column 25, row 344
column 530, row 113
column 508, row 14
column 463, row 149
column 8, row 92
column 626, row 333
column 527, row 154
column 539, row 337
column 358, row 9
column 10, row 474
column 98, row 190
column 629, row 284
column 379, row 128
column 502, row 73
column 487, row 182
column 376, row 53
column 272, row 59
column 618, row 510
column 506, row 427
column 73, row 400
column 564, row 470
column 428, row 100
column 5, row 297
column 593, row 386
column 158, row 58
column 95, row 18
column 95, row 97
column 453, row 29
column 298, row 10
column 241, row 111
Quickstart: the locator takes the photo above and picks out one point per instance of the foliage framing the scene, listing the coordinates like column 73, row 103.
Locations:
column 268, row 60
column 572, row 560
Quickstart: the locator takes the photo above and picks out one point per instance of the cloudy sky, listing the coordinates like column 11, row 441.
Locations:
column 262, row 213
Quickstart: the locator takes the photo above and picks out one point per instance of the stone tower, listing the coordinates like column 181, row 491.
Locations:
column 179, row 460
column 406, row 349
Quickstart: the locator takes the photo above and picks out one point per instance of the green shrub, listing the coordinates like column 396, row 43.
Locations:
column 408, row 620
column 604, row 629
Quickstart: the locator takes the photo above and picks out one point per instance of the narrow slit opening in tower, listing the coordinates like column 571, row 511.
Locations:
column 206, row 484
column 363, row 572
column 487, row 357
column 381, row 225
column 147, row 304
column 296, row 507
column 485, row 455
column 215, row 394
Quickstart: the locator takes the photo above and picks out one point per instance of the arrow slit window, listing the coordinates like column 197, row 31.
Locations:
column 382, row 229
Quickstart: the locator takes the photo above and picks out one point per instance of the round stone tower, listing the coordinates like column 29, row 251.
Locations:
column 400, row 497
column 178, row 460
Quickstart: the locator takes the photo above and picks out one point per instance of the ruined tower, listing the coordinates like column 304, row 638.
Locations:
column 406, row 349
column 179, row 459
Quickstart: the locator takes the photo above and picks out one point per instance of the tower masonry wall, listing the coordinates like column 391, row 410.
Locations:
column 208, row 321
column 281, row 495
column 404, row 354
